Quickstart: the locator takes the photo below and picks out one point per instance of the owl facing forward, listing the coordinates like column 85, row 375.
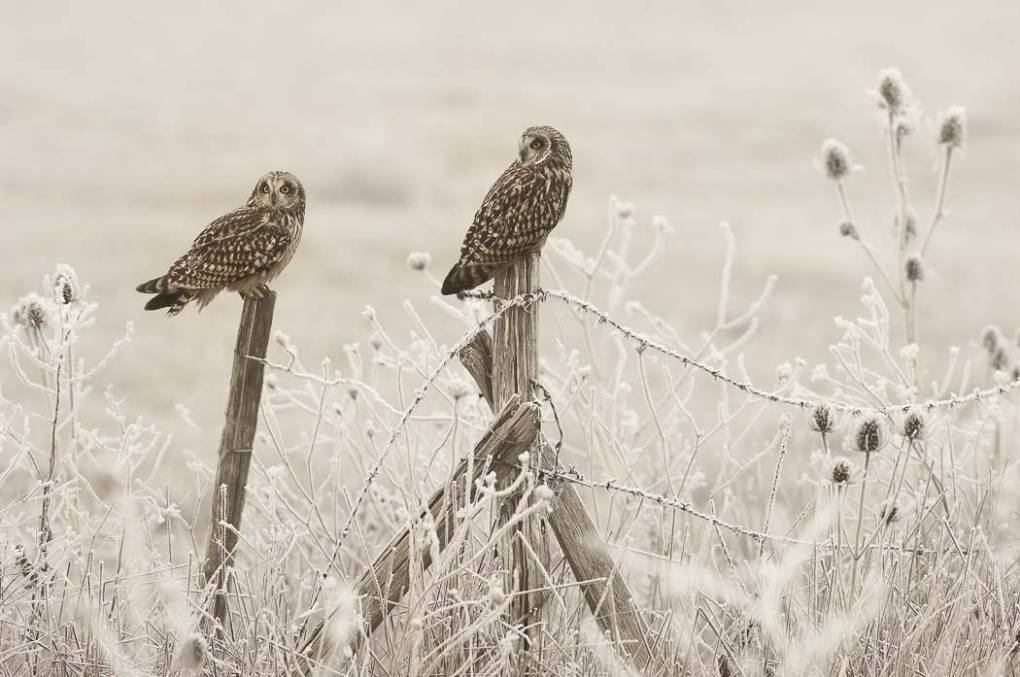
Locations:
column 241, row 251
column 519, row 211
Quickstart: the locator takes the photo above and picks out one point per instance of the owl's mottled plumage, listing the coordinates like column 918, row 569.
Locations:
column 241, row 251
column 519, row 211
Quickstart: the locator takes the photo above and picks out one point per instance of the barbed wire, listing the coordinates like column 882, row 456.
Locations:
column 574, row 477
column 644, row 342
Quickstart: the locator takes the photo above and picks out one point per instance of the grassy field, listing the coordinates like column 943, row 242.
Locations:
column 123, row 131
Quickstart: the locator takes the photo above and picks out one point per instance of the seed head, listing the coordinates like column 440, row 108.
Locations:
column 893, row 93
column 992, row 338
column 914, row 425
column 952, row 124
column 65, row 284
column 418, row 260
column 822, row 419
column 998, row 359
column 914, row 268
column 847, row 229
column 836, row 159
column 625, row 210
column 910, row 225
column 889, row 513
column 869, row 435
column 841, row 471
column 32, row 312
column 459, row 390
column 368, row 313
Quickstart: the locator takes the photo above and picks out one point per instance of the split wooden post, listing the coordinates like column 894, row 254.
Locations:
column 236, row 444
column 514, row 430
column 514, row 373
column 606, row 592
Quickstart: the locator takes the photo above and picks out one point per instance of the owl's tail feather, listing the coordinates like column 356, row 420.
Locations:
column 166, row 297
column 175, row 301
column 464, row 276
column 154, row 286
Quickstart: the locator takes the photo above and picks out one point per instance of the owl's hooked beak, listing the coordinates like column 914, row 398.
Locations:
column 273, row 197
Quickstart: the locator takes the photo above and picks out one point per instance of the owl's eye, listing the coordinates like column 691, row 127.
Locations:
column 536, row 144
column 265, row 187
column 285, row 188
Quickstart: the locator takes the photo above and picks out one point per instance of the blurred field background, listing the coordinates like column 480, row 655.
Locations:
column 124, row 129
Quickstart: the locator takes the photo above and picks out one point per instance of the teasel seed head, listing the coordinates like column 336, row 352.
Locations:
column 869, row 435
column 889, row 513
column 836, row 160
column 952, row 124
column 822, row 418
column 32, row 312
column 65, row 284
column 910, row 225
column 893, row 93
column 847, row 229
column 914, row 268
column 914, row 425
column 992, row 338
column 841, row 471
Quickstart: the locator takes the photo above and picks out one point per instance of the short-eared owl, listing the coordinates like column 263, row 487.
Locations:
column 241, row 251
column 519, row 212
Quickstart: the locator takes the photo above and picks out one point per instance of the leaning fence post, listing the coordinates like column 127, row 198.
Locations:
column 236, row 442
column 514, row 372
column 605, row 590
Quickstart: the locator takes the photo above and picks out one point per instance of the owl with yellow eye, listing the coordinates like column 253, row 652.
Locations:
column 241, row 251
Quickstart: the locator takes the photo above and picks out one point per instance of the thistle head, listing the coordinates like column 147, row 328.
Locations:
column 836, row 160
column 952, row 127
column 869, row 434
column 822, row 418
column 847, row 229
column 913, row 267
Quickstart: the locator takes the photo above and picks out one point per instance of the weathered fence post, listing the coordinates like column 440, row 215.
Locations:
column 606, row 592
column 514, row 373
column 513, row 431
column 236, row 443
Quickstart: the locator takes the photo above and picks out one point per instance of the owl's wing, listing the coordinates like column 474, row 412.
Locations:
column 236, row 246
column 518, row 212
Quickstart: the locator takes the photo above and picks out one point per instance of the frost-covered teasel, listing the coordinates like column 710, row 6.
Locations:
column 32, row 312
column 841, row 471
column 822, row 418
column 847, row 229
column 914, row 425
column 893, row 94
column 836, row 160
column 868, row 434
column 914, row 268
column 65, row 285
column 952, row 127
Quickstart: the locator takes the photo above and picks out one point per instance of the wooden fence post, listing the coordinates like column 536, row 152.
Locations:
column 236, row 444
column 513, row 431
column 606, row 592
column 514, row 373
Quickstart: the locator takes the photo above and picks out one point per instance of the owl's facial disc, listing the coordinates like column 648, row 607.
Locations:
column 277, row 190
column 534, row 148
